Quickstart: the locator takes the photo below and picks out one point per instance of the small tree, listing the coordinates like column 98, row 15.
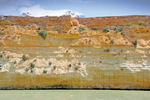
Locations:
column 42, row 33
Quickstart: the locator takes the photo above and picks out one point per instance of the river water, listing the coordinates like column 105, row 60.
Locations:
column 74, row 95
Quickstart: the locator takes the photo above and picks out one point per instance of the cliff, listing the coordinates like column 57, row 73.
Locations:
column 50, row 52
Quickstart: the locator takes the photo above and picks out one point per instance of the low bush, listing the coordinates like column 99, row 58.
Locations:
column 69, row 65
column 111, row 41
column 32, row 66
column 44, row 71
column 122, row 33
column 42, row 33
column 105, row 30
column 107, row 50
column 81, row 29
column 24, row 58
column 50, row 63
column 134, row 43
column 1, row 55
column 117, row 29
column 76, row 68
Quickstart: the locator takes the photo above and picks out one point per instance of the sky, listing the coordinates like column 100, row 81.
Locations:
column 88, row 8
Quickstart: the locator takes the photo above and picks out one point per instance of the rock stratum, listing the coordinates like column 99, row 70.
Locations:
column 67, row 52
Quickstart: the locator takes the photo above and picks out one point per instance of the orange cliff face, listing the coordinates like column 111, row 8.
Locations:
column 133, row 27
column 100, row 52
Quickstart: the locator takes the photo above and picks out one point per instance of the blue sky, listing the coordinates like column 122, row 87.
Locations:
column 89, row 8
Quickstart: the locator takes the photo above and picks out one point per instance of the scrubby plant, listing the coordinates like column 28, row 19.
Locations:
column 69, row 65
column 27, row 69
column 81, row 29
column 2, row 29
column 8, row 57
column 31, row 71
column 107, row 50
column 60, row 31
column 114, row 28
column 122, row 33
column 76, row 68
column 32, row 66
column 79, row 63
column 134, row 43
column 50, row 63
column 112, row 41
column 24, row 58
column 109, row 37
column 1, row 55
column 42, row 33
column 54, row 67
column 105, row 30
column 39, row 28
column 44, row 71
column 15, row 62
column 117, row 29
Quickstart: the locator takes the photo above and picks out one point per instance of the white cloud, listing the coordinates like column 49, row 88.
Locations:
column 37, row 11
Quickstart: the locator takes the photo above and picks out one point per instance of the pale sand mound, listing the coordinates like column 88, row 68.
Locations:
column 42, row 66
column 143, row 43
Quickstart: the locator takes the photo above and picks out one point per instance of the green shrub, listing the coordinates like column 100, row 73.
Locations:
column 27, row 69
column 81, row 29
column 122, row 33
column 24, row 58
column 105, row 30
column 112, row 41
column 109, row 37
column 15, row 62
column 8, row 57
column 54, row 67
column 44, row 71
column 76, row 68
column 107, row 50
column 134, row 43
column 117, row 29
column 32, row 66
column 1, row 55
column 39, row 28
column 42, row 33
column 50, row 63
column 69, row 65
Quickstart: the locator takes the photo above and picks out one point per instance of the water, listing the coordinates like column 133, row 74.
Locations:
column 74, row 95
